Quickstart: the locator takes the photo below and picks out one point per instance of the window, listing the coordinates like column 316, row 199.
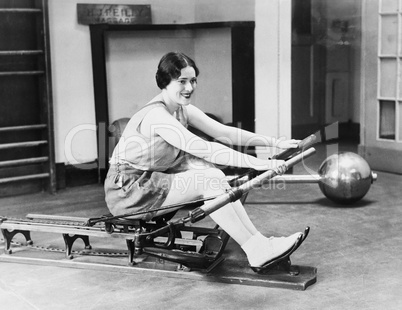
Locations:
column 390, row 70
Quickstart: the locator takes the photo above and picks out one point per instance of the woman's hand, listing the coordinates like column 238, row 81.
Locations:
column 274, row 164
column 287, row 144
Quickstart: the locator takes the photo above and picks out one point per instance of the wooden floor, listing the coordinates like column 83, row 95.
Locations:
column 356, row 250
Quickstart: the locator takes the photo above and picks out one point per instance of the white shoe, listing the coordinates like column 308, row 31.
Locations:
column 262, row 251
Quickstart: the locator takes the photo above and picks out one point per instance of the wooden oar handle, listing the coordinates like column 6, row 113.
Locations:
column 303, row 144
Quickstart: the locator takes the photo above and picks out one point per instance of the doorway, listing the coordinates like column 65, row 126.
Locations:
column 326, row 67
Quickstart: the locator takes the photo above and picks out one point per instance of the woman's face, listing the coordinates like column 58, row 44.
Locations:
column 181, row 90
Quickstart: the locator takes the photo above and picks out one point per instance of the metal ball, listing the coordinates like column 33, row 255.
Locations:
column 345, row 177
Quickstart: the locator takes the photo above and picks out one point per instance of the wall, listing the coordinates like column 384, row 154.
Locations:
column 213, row 53
column 224, row 10
column 272, row 70
column 132, row 58
column 131, row 62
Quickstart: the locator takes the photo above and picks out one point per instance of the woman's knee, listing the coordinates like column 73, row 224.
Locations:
column 199, row 183
column 214, row 173
column 215, row 180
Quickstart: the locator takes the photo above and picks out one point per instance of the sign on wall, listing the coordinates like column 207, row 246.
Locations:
column 113, row 14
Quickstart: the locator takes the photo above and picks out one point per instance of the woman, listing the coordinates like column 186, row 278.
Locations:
column 159, row 162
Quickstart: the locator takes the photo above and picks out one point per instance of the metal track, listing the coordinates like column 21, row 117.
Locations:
column 84, row 252
column 69, row 223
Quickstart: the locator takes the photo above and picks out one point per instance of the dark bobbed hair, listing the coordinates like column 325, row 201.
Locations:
column 170, row 66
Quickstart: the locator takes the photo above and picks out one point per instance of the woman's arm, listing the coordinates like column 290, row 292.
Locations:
column 232, row 135
column 166, row 126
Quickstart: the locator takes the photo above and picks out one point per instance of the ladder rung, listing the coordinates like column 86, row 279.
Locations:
column 21, row 162
column 22, row 144
column 8, row 73
column 15, row 10
column 24, row 178
column 20, row 53
column 26, row 127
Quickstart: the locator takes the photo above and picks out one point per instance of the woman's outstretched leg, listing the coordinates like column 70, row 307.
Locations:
column 258, row 248
column 232, row 218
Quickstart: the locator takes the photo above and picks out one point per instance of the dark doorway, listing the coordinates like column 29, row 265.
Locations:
column 325, row 73
column 308, row 72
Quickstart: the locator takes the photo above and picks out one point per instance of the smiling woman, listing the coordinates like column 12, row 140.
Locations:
column 159, row 162
column 180, row 90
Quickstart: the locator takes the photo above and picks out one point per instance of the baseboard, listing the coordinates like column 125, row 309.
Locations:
column 22, row 188
column 76, row 175
column 382, row 159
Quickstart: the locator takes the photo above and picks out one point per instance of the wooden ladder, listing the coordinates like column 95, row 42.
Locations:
column 27, row 162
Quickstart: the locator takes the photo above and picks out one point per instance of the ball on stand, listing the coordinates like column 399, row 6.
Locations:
column 345, row 177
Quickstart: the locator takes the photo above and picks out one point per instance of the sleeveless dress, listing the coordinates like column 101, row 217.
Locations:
column 142, row 169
